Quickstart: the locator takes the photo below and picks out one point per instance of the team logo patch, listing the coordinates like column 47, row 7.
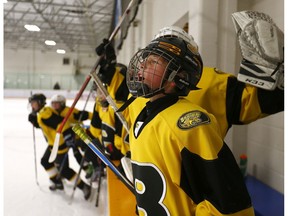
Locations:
column 192, row 119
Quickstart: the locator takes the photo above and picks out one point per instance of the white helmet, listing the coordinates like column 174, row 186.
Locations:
column 59, row 98
column 175, row 31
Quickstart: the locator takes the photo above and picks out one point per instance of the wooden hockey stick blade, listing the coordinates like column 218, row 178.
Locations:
column 54, row 151
column 99, row 152
column 59, row 131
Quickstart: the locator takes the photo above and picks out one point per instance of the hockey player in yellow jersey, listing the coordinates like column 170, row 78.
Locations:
column 232, row 102
column 113, row 132
column 58, row 103
column 105, row 125
column 37, row 102
column 49, row 120
column 112, row 75
column 181, row 165
column 114, row 136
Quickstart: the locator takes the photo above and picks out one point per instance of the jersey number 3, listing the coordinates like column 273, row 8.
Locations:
column 150, row 189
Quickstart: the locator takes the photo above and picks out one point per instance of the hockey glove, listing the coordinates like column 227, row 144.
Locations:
column 262, row 48
column 108, row 62
column 113, row 152
column 33, row 119
column 69, row 137
column 106, row 49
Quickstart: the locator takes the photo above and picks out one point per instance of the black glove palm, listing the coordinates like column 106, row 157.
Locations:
column 106, row 49
column 108, row 62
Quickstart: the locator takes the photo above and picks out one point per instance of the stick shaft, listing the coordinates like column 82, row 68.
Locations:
column 35, row 158
column 126, row 12
column 84, row 136
column 110, row 100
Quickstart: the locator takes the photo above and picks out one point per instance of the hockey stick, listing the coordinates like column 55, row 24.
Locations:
column 78, row 177
column 110, row 100
column 99, row 185
column 84, row 155
column 59, row 174
column 57, row 137
column 100, row 153
column 35, row 158
column 62, row 166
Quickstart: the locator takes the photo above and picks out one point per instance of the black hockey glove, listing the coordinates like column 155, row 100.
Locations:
column 107, row 49
column 33, row 119
column 113, row 152
column 108, row 62
column 69, row 137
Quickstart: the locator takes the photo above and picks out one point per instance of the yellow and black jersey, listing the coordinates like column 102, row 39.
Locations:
column 49, row 120
column 114, row 136
column 75, row 117
column 76, row 114
column 95, row 124
column 229, row 100
column 113, row 133
column 117, row 88
column 181, row 165
column 118, row 91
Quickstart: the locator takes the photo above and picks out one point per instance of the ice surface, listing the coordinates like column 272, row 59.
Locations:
column 22, row 196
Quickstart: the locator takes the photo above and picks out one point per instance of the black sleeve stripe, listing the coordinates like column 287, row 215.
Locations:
column 96, row 121
column 83, row 114
column 53, row 121
column 122, row 92
column 219, row 181
column 118, row 126
column 234, row 93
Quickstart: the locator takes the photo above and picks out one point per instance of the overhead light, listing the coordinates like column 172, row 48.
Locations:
column 32, row 28
column 50, row 42
column 60, row 51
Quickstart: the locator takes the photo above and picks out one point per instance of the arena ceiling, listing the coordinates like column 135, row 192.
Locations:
column 75, row 25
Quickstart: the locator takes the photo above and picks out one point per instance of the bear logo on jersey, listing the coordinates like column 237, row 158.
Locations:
column 192, row 119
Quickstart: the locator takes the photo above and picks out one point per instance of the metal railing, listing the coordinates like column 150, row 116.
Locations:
column 43, row 81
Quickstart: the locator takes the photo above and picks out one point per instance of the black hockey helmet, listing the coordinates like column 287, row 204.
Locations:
column 184, row 66
column 40, row 98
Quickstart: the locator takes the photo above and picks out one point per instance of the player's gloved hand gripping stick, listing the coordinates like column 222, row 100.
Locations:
column 100, row 153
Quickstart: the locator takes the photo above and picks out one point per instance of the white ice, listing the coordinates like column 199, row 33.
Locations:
column 22, row 196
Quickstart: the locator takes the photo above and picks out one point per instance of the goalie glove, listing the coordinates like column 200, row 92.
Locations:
column 262, row 48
